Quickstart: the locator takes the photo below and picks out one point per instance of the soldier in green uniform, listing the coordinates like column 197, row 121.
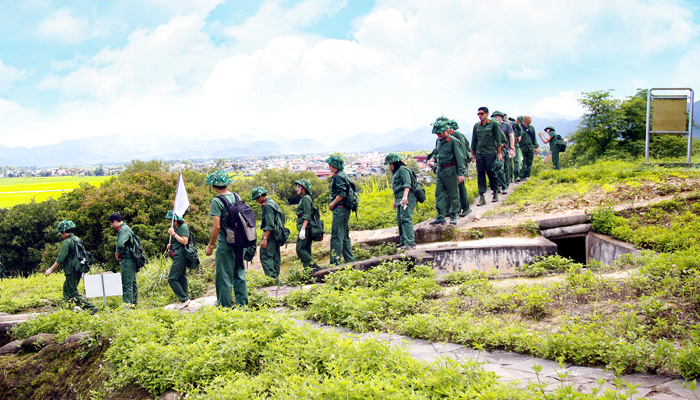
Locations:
column 340, row 207
column 552, row 138
column 177, row 277
column 507, row 139
column 272, row 219
column 518, row 159
column 486, row 149
column 305, row 211
column 450, row 172
column 528, row 146
column 130, row 293
column 463, row 195
column 404, row 199
column 230, row 271
column 68, row 258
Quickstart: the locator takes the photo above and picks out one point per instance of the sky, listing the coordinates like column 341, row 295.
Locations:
column 290, row 69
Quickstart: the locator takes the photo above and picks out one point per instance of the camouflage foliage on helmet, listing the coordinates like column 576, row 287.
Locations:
column 550, row 127
column 257, row 192
column 169, row 216
column 336, row 161
column 305, row 183
column 440, row 125
column 65, row 225
column 392, row 158
column 452, row 124
column 493, row 114
column 219, row 178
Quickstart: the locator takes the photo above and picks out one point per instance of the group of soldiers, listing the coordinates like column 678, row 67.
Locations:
column 502, row 149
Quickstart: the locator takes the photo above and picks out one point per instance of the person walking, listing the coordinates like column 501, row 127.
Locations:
column 486, row 150
column 68, row 258
column 508, row 139
column 340, row 207
column 271, row 220
column 177, row 277
column 123, row 253
column 462, row 187
column 450, row 172
column 528, row 146
column 404, row 199
column 230, row 270
column 305, row 214
column 552, row 138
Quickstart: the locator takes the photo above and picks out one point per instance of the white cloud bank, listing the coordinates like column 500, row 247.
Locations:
column 407, row 62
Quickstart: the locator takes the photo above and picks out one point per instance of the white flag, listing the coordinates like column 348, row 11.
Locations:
column 182, row 203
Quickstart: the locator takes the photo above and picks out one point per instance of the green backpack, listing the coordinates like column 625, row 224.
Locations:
column 418, row 189
column 353, row 198
column 83, row 259
column 561, row 144
column 281, row 232
column 316, row 226
column 137, row 252
column 191, row 254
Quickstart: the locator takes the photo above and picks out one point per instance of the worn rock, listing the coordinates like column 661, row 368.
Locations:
column 38, row 341
column 78, row 337
column 171, row 394
column 12, row 347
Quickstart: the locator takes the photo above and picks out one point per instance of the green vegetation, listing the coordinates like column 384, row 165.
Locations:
column 15, row 191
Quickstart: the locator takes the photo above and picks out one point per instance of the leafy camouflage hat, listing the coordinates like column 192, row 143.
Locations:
column 305, row 183
column 550, row 127
column 452, row 124
column 169, row 216
column 521, row 118
column 219, row 178
column 440, row 125
column 336, row 161
column 65, row 225
column 497, row 165
column 493, row 114
column 257, row 192
column 392, row 158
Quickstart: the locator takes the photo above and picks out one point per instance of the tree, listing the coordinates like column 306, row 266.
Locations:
column 598, row 128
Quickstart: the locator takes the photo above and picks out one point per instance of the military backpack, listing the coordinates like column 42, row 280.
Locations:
column 83, row 259
column 191, row 254
column 136, row 251
column 239, row 223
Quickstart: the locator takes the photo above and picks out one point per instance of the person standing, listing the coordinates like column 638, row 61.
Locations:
column 340, row 207
column 404, row 199
column 305, row 213
column 272, row 218
column 450, row 172
column 518, row 159
column 68, row 258
column 508, row 139
column 528, row 146
column 486, row 149
column 230, row 270
column 177, row 277
column 552, row 138
column 463, row 195
column 127, row 263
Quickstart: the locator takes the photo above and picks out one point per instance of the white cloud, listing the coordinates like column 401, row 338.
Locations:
column 563, row 105
column 63, row 27
column 687, row 72
column 9, row 75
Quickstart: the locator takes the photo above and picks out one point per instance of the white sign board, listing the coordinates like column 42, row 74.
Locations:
column 103, row 285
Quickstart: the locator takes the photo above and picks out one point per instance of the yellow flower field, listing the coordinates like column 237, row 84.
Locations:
column 21, row 190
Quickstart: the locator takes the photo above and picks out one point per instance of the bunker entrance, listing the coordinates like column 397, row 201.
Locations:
column 573, row 247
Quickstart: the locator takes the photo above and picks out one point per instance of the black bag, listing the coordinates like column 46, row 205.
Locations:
column 281, row 232
column 137, row 252
column 239, row 223
column 353, row 198
column 191, row 254
column 561, row 144
column 83, row 259
column 418, row 189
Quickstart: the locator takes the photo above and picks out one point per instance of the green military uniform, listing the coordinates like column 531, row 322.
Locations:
column 130, row 293
column 553, row 148
column 340, row 227
column 450, row 165
column 462, row 186
column 177, row 278
column 68, row 258
column 305, row 210
column 518, row 160
column 270, row 257
column 400, row 180
column 501, row 181
column 486, row 138
column 528, row 144
column 228, row 277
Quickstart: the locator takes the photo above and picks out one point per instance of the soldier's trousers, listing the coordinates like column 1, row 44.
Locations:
column 528, row 158
column 463, row 195
column 447, row 193
column 71, row 294
column 340, row 236
column 508, row 164
column 555, row 159
column 271, row 259
column 404, row 219
column 229, row 277
column 517, row 162
column 177, row 277
column 130, row 293
column 304, row 249
column 484, row 167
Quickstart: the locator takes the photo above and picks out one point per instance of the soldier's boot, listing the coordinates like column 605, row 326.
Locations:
column 482, row 200
column 495, row 196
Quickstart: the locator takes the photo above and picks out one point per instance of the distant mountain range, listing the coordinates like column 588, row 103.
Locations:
column 118, row 149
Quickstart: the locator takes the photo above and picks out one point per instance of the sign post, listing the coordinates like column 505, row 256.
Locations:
column 670, row 115
column 103, row 285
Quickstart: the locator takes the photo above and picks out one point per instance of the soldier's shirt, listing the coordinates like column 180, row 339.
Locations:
column 184, row 231
column 305, row 209
column 449, row 151
column 218, row 209
column 123, row 235
column 526, row 141
column 67, row 248
column 340, row 185
column 486, row 137
column 270, row 211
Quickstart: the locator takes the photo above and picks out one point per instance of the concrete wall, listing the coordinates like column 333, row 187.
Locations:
column 501, row 254
column 606, row 249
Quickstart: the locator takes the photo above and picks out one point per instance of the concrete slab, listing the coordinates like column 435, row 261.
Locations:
column 504, row 358
column 677, row 387
column 549, row 368
column 645, row 380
